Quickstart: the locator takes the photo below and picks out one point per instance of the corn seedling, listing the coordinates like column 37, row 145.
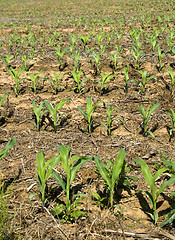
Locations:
column 39, row 113
column 170, row 40
column 112, row 180
column 8, row 146
column 172, row 119
column 153, row 42
column 114, row 57
column 26, row 62
column 44, row 172
column 7, row 60
column 56, row 81
column 110, row 120
column 73, row 38
column 104, row 79
column 84, row 40
column 15, row 76
column 53, row 110
column 145, row 79
column 2, row 99
column 35, row 80
column 151, row 181
column 76, row 60
column 127, row 79
column 89, row 111
column 160, row 56
column 76, row 76
column 96, row 60
column 171, row 74
column 102, row 50
column 60, row 55
column 70, row 165
column 146, row 116
column 137, row 54
column 99, row 39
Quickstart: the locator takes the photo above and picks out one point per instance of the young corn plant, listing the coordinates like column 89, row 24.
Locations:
column 171, row 74
column 127, row 79
column 170, row 42
column 39, row 113
column 146, row 116
column 84, row 40
column 26, row 62
column 153, row 42
column 44, row 172
column 112, row 180
column 15, row 75
column 110, row 119
column 60, row 53
column 102, row 50
column 8, row 146
column 7, row 60
column 104, row 79
column 137, row 53
column 35, row 80
column 115, row 60
column 96, row 61
column 53, row 110
column 73, row 38
column 172, row 119
column 71, row 165
column 5, row 190
column 56, row 82
column 160, row 56
column 89, row 111
column 2, row 99
column 151, row 181
column 76, row 57
column 76, row 76
column 99, row 39
column 145, row 79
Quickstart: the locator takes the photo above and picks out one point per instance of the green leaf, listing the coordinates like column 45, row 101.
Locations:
column 64, row 155
column 103, row 171
column 117, row 167
column 165, row 184
column 77, row 213
column 82, row 112
column 57, row 210
column 146, row 172
column 77, row 166
column 150, row 198
column 59, row 180
column 159, row 172
column 169, row 219
column 8, row 146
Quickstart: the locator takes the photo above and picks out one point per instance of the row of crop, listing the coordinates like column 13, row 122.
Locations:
column 79, row 78
column 54, row 111
column 136, row 44
column 112, row 174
